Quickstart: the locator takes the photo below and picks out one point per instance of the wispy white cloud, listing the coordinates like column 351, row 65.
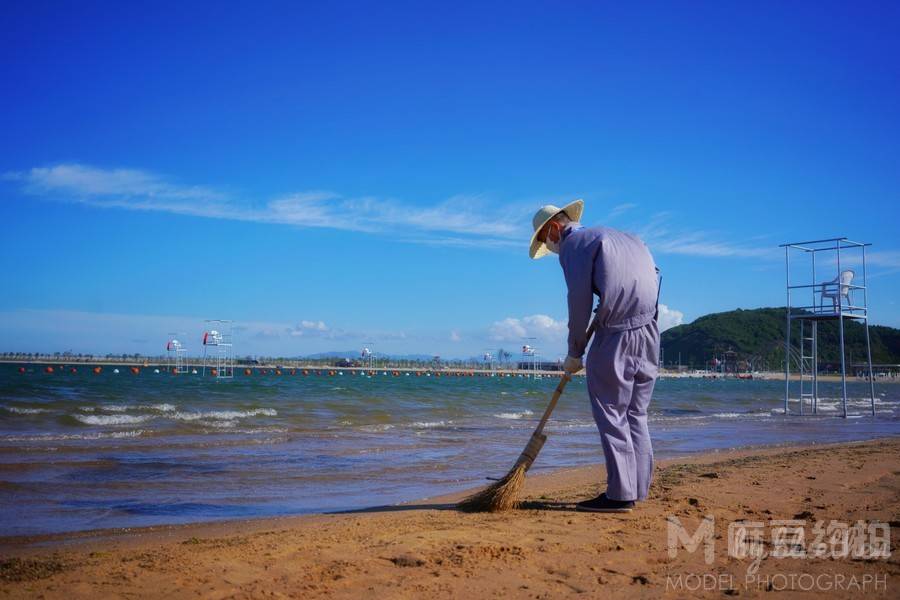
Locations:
column 543, row 327
column 620, row 210
column 662, row 237
column 308, row 328
column 87, row 181
column 884, row 258
column 458, row 221
column 318, row 329
column 549, row 330
column 885, row 262
column 82, row 331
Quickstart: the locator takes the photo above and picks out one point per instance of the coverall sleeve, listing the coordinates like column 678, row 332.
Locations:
column 578, row 268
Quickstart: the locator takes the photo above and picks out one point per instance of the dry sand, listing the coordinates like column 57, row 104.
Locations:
column 546, row 550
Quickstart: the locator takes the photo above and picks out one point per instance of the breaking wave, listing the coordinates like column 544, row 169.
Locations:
column 25, row 411
column 112, row 419
column 514, row 415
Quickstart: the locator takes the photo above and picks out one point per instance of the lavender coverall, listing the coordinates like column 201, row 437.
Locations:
column 623, row 361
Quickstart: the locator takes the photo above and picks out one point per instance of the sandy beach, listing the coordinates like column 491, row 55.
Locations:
column 545, row 550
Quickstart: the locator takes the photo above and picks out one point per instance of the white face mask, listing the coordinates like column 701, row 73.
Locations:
column 552, row 246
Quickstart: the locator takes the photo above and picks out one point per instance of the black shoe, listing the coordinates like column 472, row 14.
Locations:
column 602, row 504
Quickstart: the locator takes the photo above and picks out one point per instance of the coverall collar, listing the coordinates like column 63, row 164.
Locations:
column 572, row 226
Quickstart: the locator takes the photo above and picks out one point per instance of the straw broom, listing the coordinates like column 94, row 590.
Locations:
column 504, row 494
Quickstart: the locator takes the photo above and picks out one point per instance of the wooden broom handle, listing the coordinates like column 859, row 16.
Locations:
column 566, row 378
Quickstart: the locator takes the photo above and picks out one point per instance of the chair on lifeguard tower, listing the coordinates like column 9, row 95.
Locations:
column 837, row 289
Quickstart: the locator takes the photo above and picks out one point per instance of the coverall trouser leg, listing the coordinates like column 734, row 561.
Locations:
column 622, row 368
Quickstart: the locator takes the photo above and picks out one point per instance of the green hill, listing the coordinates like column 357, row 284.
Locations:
column 757, row 335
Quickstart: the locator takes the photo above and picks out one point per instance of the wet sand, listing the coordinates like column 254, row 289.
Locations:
column 545, row 550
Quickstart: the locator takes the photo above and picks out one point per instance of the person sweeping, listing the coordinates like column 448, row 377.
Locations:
column 623, row 361
column 622, row 364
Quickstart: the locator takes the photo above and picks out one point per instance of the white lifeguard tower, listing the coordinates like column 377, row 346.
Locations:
column 218, row 348
column 175, row 354
column 368, row 358
column 826, row 278
column 530, row 352
column 488, row 359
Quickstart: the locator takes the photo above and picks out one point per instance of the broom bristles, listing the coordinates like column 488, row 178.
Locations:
column 499, row 496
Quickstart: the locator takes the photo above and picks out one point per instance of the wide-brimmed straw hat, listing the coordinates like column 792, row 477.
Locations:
column 543, row 215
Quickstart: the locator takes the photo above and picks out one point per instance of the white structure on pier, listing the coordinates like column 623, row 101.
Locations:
column 175, row 354
column 218, row 348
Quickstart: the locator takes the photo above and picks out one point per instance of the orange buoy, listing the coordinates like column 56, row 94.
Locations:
column 97, row 370
column 135, row 370
column 48, row 369
column 331, row 373
column 278, row 371
column 21, row 369
column 248, row 372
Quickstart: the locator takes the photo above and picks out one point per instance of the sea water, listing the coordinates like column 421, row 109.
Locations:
column 83, row 451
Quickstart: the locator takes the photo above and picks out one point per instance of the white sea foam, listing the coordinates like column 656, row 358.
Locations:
column 25, row 411
column 112, row 419
column 430, row 424
column 223, row 415
column 258, row 430
column 124, row 434
column 573, row 424
column 185, row 416
column 51, row 437
column 514, row 415
column 376, row 428
column 220, row 424
column 730, row 415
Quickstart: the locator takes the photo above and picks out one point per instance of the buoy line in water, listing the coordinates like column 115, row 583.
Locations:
column 302, row 372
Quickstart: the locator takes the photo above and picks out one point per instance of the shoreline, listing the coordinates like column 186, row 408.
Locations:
column 426, row 549
column 583, row 474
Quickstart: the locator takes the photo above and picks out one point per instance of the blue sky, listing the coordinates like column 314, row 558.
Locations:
column 330, row 174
